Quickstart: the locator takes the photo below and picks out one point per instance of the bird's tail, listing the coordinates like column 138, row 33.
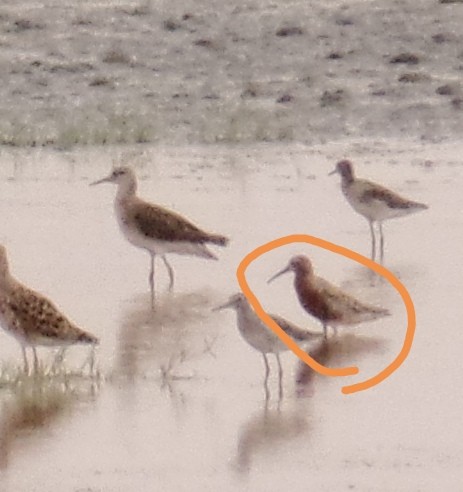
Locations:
column 218, row 239
column 420, row 206
column 376, row 313
column 384, row 312
column 84, row 337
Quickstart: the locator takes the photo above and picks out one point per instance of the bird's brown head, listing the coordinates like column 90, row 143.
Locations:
column 119, row 175
column 299, row 264
column 345, row 169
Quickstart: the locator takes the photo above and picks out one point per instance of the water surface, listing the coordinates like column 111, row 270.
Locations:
column 180, row 404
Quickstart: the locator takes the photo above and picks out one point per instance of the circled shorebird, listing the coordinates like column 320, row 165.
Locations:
column 33, row 319
column 154, row 228
column 256, row 333
column 375, row 202
column 326, row 302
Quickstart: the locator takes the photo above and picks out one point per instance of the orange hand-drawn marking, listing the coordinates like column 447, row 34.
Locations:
column 346, row 371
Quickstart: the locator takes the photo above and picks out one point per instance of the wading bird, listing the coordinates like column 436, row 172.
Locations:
column 375, row 202
column 260, row 337
column 32, row 318
column 326, row 302
column 156, row 229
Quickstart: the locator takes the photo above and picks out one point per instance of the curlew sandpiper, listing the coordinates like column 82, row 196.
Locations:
column 325, row 301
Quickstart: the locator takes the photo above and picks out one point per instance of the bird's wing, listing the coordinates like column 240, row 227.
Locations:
column 369, row 192
column 37, row 318
column 165, row 225
column 293, row 330
column 339, row 303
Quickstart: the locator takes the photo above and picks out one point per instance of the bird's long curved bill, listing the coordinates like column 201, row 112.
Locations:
column 104, row 180
column 334, row 171
column 223, row 306
column 281, row 272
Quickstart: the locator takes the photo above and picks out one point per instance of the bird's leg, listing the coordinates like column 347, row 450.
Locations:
column 91, row 361
column 171, row 273
column 26, row 364
column 267, row 368
column 280, row 377
column 36, row 360
column 267, row 394
column 267, row 372
column 58, row 361
column 381, row 242
column 151, row 280
column 325, row 331
column 373, row 240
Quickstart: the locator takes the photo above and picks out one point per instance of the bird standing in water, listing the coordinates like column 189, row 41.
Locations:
column 324, row 301
column 154, row 228
column 260, row 337
column 375, row 202
column 33, row 319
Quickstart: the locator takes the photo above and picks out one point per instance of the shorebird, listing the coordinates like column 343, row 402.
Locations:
column 32, row 318
column 375, row 202
column 324, row 301
column 154, row 228
column 260, row 337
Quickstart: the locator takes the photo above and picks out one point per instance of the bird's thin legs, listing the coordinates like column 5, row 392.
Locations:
column 58, row 360
column 151, row 280
column 171, row 273
column 381, row 242
column 267, row 372
column 325, row 331
column 267, row 368
column 373, row 240
column 280, row 377
column 36, row 360
column 26, row 363
column 91, row 361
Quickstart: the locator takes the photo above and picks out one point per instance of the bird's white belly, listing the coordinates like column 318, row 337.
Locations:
column 7, row 323
column 374, row 210
column 258, row 335
column 261, row 341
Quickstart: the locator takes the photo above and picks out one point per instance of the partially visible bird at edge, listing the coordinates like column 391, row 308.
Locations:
column 33, row 319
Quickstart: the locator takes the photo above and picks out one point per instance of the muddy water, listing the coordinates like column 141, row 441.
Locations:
column 180, row 402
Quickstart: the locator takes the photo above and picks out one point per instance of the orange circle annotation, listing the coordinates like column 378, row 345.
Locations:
column 341, row 250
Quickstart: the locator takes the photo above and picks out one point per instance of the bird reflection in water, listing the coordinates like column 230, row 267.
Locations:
column 336, row 352
column 169, row 338
column 37, row 403
column 266, row 430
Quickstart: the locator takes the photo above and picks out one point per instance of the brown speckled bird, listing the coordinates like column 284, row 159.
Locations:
column 156, row 229
column 32, row 319
column 324, row 301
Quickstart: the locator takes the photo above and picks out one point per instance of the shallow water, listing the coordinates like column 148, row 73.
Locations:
column 180, row 404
